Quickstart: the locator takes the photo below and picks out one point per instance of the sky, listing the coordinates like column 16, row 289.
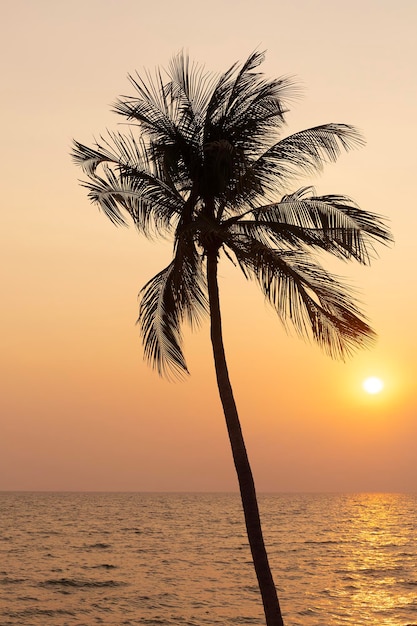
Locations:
column 79, row 408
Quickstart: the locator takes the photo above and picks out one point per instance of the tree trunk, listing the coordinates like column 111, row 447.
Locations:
column 240, row 457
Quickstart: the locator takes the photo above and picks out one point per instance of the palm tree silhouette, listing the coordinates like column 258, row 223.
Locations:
column 208, row 168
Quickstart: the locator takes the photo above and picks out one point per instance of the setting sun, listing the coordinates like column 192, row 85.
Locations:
column 373, row 385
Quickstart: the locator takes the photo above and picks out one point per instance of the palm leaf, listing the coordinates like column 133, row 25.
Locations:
column 129, row 181
column 246, row 108
column 192, row 86
column 304, row 152
column 160, row 327
column 303, row 293
column 176, row 293
column 334, row 223
column 153, row 109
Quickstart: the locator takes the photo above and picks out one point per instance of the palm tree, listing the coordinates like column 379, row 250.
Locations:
column 203, row 162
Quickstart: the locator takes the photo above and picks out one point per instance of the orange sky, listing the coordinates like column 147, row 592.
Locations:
column 79, row 409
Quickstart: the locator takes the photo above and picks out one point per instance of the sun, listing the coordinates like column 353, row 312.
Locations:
column 373, row 385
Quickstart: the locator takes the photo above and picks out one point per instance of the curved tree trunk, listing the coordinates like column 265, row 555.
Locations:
column 240, row 457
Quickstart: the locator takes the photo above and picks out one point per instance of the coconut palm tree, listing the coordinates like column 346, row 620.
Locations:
column 204, row 162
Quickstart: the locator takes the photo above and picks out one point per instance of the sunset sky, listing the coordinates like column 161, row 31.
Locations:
column 79, row 409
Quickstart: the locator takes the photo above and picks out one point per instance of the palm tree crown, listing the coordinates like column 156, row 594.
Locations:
column 208, row 168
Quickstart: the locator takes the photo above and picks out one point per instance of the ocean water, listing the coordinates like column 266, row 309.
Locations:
column 82, row 559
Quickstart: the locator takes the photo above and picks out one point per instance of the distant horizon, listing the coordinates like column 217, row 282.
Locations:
column 209, row 492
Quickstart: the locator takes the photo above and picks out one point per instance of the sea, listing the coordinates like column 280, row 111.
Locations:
column 182, row 559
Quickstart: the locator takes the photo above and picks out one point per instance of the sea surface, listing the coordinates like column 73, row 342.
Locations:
column 80, row 559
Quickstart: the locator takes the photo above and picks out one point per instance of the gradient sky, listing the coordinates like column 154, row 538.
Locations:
column 79, row 408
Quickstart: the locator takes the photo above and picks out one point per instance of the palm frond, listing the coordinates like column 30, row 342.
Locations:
column 159, row 109
column 105, row 193
column 334, row 223
column 122, row 151
column 256, row 115
column 169, row 121
column 217, row 106
column 160, row 325
column 304, row 152
column 152, row 210
column 89, row 159
column 246, row 108
column 176, row 293
column 152, row 108
column 192, row 85
column 129, row 180
column 304, row 294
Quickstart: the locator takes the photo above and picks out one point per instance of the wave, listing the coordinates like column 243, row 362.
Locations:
column 80, row 583
column 325, row 542
column 39, row 612
column 12, row 581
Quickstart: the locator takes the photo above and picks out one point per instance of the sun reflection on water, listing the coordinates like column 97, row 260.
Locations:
column 348, row 557
column 373, row 564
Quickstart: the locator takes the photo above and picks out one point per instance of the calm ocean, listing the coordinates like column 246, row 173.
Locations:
column 117, row 559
